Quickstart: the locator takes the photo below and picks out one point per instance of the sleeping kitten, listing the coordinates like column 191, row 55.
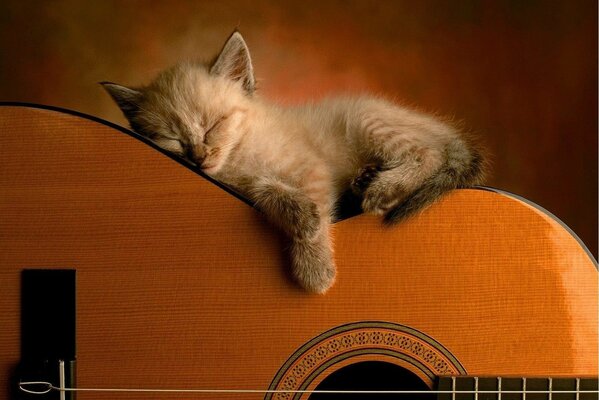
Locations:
column 295, row 162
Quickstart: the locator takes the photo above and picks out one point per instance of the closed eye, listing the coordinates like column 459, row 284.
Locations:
column 163, row 136
column 170, row 144
column 214, row 126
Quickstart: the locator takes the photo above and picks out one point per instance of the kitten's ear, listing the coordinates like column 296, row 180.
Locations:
column 234, row 62
column 126, row 98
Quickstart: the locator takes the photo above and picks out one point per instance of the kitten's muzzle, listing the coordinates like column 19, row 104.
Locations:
column 201, row 157
column 197, row 154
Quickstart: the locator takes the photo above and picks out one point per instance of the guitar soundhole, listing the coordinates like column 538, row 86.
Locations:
column 372, row 375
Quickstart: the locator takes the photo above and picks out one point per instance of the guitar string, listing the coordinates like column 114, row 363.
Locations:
column 46, row 387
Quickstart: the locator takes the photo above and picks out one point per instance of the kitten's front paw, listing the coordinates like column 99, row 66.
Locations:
column 313, row 266
column 364, row 178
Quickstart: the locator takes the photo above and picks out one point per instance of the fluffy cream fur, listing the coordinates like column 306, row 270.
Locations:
column 295, row 162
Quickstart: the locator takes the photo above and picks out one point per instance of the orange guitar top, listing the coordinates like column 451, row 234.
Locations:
column 181, row 284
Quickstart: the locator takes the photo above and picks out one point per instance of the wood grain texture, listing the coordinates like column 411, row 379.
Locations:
column 181, row 285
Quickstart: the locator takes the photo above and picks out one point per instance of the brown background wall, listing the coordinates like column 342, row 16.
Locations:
column 522, row 74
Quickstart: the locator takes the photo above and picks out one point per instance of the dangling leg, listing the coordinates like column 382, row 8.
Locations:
column 306, row 224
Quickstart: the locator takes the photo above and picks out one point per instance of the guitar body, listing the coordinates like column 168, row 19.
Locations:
column 180, row 284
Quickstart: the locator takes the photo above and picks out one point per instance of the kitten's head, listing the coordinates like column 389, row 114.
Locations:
column 196, row 111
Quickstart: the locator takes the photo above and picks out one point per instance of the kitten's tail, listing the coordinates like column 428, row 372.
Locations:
column 464, row 166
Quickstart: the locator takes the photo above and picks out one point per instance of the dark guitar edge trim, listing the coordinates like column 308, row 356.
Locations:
column 245, row 199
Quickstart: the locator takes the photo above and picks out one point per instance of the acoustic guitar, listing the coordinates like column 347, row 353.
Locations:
column 182, row 288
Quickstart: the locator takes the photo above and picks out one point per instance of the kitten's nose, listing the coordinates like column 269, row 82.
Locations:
column 197, row 153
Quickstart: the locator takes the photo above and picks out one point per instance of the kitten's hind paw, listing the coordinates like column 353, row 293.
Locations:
column 366, row 175
column 313, row 266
